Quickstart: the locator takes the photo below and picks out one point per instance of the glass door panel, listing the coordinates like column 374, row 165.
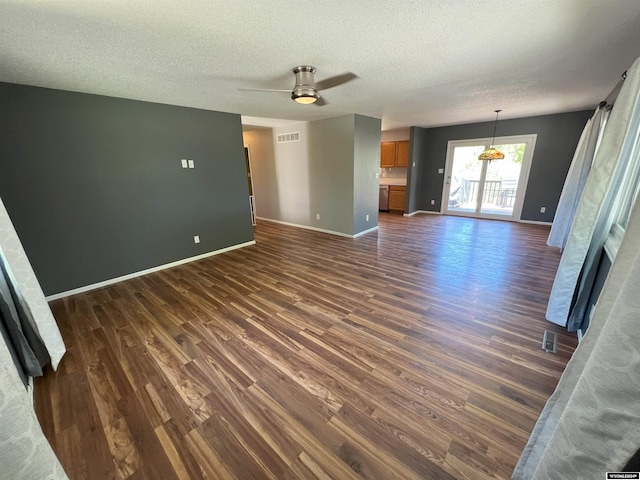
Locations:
column 465, row 179
column 502, row 179
column 484, row 189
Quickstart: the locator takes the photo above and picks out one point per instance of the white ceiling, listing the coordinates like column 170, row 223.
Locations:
column 420, row 62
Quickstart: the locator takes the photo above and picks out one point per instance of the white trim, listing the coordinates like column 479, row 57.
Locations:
column 252, row 207
column 129, row 276
column 430, row 212
column 613, row 241
column 535, row 222
column 252, row 196
column 611, row 250
column 485, row 216
column 315, row 229
column 364, row 232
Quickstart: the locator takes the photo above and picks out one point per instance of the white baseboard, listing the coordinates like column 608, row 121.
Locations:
column 364, row 232
column 422, row 211
column 533, row 222
column 315, row 229
column 111, row 281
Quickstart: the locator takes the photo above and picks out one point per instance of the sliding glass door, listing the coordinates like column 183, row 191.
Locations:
column 487, row 189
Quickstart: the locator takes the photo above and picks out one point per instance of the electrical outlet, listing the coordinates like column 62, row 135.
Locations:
column 433, row 202
column 543, row 209
column 376, row 174
column 441, row 170
column 183, row 162
column 414, row 164
column 191, row 164
column 366, row 217
column 317, row 216
column 196, row 239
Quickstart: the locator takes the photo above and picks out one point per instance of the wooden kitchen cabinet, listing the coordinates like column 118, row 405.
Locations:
column 397, row 196
column 402, row 153
column 394, row 154
column 387, row 154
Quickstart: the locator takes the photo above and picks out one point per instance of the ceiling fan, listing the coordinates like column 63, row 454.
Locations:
column 306, row 90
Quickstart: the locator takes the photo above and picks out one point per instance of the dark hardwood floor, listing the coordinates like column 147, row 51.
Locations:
column 409, row 353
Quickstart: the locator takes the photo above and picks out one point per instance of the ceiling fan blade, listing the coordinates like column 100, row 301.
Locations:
column 262, row 90
column 321, row 102
column 335, row 81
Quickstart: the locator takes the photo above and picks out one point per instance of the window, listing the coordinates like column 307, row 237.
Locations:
column 627, row 194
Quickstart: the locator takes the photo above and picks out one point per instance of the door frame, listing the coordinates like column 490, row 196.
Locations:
column 523, row 181
column 252, row 193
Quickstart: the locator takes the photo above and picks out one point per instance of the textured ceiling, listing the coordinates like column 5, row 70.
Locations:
column 420, row 62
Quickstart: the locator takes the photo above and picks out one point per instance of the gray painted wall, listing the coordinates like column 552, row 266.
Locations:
column 331, row 173
column 95, row 188
column 294, row 181
column 557, row 139
column 601, row 277
column 366, row 163
column 417, row 152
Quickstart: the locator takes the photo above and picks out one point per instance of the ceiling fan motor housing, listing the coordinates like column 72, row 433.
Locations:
column 305, row 87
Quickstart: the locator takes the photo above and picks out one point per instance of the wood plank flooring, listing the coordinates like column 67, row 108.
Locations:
column 409, row 353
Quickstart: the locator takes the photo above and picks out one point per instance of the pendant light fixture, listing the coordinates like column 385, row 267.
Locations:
column 491, row 153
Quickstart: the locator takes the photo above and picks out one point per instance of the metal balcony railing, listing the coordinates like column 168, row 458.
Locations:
column 496, row 192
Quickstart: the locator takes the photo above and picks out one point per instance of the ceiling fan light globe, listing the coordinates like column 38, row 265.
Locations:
column 305, row 96
column 306, row 100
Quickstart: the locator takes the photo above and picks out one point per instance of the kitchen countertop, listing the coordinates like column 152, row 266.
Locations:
column 393, row 181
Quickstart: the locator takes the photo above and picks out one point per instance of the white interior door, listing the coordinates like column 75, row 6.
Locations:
column 487, row 189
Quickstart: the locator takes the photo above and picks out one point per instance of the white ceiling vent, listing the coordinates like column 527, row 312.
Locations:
column 289, row 137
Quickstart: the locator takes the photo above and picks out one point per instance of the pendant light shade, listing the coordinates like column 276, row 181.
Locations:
column 491, row 153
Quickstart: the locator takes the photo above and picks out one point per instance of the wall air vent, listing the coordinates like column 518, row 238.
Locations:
column 289, row 137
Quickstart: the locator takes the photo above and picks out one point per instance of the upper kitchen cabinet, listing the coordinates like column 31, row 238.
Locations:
column 402, row 153
column 394, row 154
column 387, row 154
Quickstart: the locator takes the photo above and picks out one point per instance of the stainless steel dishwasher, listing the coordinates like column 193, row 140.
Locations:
column 383, row 203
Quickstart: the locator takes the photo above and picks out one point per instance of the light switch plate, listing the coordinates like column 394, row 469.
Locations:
column 191, row 164
column 441, row 170
column 184, row 163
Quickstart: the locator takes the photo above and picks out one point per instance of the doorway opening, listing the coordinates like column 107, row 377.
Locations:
column 485, row 189
column 247, row 159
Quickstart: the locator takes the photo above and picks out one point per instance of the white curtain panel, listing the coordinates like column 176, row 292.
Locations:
column 612, row 156
column 29, row 287
column 574, row 183
column 24, row 450
column 591, row 423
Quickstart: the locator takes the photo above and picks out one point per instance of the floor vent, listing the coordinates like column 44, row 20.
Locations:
column 550, row 342
column 289, row 137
